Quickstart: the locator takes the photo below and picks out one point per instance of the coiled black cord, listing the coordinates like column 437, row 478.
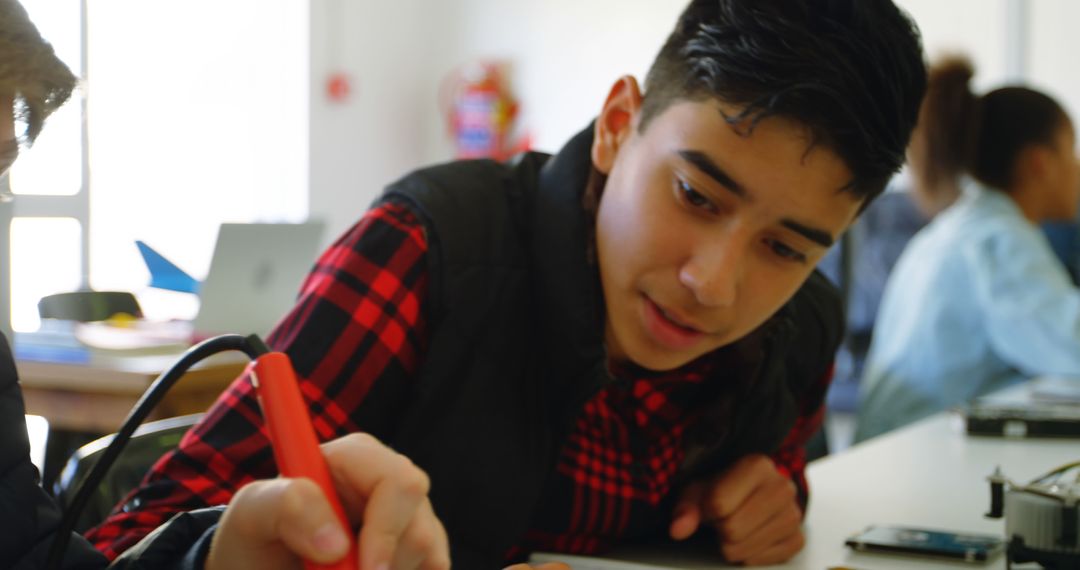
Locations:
column 251, row 345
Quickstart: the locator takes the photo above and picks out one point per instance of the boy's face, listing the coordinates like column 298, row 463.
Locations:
column 703, row 233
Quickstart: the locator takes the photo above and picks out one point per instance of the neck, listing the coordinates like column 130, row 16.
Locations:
column 932, row 200
column 1029, row 198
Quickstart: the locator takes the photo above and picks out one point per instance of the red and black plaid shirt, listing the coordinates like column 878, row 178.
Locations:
column 358, row 321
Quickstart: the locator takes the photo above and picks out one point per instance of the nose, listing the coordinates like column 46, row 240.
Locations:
column 714, row 272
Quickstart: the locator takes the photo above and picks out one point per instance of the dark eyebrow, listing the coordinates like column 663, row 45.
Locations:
column 705, row 164
column 815, row 235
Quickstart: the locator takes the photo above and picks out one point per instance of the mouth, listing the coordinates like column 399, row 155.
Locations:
column 669, row 329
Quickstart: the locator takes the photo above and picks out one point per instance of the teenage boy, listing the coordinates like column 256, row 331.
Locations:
column 624, row 340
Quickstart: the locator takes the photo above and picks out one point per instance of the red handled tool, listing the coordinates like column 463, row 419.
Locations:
column 296, row 449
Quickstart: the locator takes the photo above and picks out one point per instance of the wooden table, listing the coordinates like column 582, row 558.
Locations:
column 95, row 397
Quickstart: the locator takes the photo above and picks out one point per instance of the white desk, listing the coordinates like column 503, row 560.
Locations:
column 929, row 474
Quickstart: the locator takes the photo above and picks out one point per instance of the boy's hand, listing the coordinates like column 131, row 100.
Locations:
column 753, row 508
column 548, row 566
column 273, row 524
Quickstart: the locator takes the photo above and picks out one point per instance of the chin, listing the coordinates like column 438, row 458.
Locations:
column 659, row 361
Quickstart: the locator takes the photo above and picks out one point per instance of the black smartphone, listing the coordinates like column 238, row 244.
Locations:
column 939, row 543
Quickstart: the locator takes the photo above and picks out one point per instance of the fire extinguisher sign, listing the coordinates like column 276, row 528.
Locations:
column 482, row 112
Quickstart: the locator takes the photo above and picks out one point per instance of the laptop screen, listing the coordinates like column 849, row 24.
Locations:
column 255, row 275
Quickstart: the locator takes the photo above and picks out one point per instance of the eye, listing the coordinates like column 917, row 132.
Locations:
column 695, row 198
column 785, row 251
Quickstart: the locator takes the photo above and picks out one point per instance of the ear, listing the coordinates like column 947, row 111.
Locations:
column 1033, row 162
column 616, row 122
column 1021, row 168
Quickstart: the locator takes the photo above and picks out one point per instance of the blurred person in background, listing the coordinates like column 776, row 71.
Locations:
column 977, row 301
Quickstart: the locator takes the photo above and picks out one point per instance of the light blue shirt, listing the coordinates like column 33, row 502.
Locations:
column 976, row 302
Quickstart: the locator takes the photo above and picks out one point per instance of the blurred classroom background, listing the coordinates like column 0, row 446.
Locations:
column 209, row 111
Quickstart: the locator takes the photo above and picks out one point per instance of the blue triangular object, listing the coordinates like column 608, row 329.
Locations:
column 164, row 274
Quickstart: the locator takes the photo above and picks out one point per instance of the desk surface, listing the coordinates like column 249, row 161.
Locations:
column 114, row 372
column 930, row 474
column 96, row 396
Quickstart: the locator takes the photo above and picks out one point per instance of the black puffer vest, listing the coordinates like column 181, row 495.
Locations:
column 516, row 346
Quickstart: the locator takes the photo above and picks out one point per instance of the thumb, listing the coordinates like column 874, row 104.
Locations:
column 687, row 515
column 269, row 521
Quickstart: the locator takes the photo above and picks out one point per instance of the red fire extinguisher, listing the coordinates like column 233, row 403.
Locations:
column 481, row 113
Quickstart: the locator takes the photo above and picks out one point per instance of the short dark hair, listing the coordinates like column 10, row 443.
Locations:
column 1009, row 120
column 30, row 72
column 852, row 71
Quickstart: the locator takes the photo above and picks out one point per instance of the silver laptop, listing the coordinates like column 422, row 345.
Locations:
column 254, row 277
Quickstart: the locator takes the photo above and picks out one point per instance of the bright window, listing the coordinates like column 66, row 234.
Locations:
column 53, row 166
column 205, row 122
column 196, row 114
column 53, row 261
column 47, row 234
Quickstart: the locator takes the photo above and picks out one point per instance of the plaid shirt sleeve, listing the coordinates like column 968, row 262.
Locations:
column 358, row 320
column 790, row 458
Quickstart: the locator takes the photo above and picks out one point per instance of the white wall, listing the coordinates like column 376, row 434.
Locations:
column 1052, row 57
column 977, row 28
column 565, row 55
column 359, row 145
column 1011, row 41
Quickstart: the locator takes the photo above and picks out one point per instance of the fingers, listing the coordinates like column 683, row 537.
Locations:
column 391, row 492
column 268, row 520
column 548, row 566
column 756, row 512
column 753, row 508
column 735, row 486
column 772, row 499
column 424, row 544
column 784, row 528
column 266, row 514
column 687, row 515
column 304, row 520
column 358, row 463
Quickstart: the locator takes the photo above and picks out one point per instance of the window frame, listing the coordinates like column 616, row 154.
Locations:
column 75, row 206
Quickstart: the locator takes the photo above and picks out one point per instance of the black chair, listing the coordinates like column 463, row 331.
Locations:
column 146, row 446
column 87, row 306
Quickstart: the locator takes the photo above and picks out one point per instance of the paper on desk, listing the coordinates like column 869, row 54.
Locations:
column 692, row 555
column 54, row 341
column 590, row 563
column 143, row 337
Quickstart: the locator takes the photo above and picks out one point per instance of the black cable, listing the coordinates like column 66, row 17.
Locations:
column 251, row 345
